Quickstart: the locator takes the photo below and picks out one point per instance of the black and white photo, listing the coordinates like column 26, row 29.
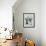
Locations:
column 29, row 20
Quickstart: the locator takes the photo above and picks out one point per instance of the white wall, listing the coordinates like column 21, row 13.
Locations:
column 43, row 22
column 29, row 6
column 6, row 13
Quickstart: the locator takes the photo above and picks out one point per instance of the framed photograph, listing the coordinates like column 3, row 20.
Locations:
column 28, row 20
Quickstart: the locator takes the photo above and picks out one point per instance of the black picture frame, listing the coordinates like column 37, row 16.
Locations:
column 29, row 20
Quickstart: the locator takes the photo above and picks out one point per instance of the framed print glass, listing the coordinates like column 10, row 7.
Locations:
column 28, row 20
